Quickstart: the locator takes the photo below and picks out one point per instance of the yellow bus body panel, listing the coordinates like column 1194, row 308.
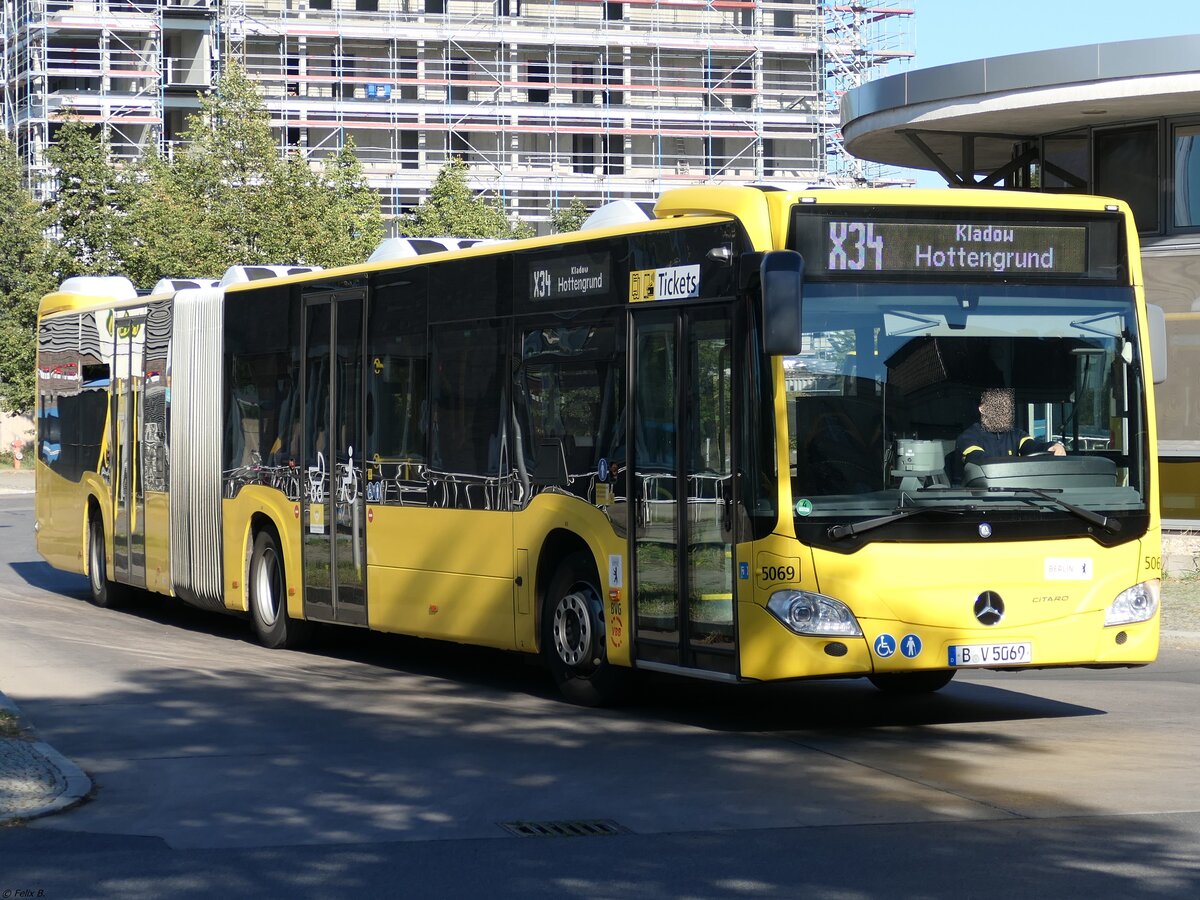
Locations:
column 893, row 590
column 550, row 512
column 61, row 507
column 238, row 515
column 158, row 542
column 770, row 651
column 748, row 205
column 441, row 573
column 62, row 510
column 469, row 592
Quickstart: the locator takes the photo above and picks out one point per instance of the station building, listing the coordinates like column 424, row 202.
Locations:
column 1119, row 119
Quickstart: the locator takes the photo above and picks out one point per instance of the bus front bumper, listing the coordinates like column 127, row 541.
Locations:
column 771, row 652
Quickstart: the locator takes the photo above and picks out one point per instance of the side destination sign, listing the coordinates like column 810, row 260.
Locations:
column 570, row 276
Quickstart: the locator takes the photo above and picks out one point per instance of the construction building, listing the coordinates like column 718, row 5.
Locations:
column 547, row 100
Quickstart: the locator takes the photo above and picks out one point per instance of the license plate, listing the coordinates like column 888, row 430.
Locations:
column 1016, row 653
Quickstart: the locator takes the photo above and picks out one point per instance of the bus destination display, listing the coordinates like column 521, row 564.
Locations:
column 916, row 243
column 963, row 247
column 570, row 276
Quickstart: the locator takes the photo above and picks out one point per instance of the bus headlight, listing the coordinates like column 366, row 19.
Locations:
column 1135, row 604
column 808, row 613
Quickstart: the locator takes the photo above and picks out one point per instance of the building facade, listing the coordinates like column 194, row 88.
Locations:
column 1119, row 119
column 547, row 100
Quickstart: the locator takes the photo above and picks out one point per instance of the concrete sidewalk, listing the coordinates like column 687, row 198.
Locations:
column 13, row 482
column 35, row 779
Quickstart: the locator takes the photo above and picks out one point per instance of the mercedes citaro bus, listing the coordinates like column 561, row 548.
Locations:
column 718, row 440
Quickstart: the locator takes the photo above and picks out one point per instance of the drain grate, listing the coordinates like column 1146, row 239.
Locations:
column 581, row 828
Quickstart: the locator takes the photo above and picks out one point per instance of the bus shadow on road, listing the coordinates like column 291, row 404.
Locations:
column 831, row 705
column 824, row 705
column 41, row 575
column 847, row 704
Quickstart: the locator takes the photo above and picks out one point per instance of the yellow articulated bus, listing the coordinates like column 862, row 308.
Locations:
column 740, row 440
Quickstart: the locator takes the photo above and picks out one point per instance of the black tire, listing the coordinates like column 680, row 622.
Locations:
column 106, row 594
column 573, row 636
column 912, row 682
column 268, row 597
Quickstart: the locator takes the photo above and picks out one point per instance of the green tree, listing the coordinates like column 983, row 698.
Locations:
column 332, row 217
column 91, row 204
column 570, row 217
column 357, row 219
column 169, row 233
column 29, row 267
column 225, row 175
column 452, row 210
column 228, row 198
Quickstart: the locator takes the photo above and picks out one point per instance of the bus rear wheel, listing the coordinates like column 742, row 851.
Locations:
column 573, row 637
column 912, row 682
column 105, row 593
column 268, row 597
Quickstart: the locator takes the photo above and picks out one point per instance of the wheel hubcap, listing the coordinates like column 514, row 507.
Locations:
column 572, row 629
column 266, row 587
column 96, row 566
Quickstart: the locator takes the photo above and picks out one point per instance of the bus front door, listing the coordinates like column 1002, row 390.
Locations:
column 680, row 479
column 334, row 545
column 129, row 506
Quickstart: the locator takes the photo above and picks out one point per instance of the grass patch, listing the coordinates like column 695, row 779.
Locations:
column 9, row 726
column 1191, row 576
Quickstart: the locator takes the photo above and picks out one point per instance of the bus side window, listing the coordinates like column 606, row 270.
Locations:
column 397, row 424
column 467, row 389
column 569, row 397
column 72, row 395
column 263, row 374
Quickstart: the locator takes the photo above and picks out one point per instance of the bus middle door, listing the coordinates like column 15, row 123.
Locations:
column 332, row 488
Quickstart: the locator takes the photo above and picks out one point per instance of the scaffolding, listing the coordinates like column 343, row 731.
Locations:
column 547, row 100
column 861, row 38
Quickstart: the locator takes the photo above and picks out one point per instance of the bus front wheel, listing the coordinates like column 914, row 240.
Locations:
column 912, row 682
column 105, row 593
column 268, row 597
column 573, row 642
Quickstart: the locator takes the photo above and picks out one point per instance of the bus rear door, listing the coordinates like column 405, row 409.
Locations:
column 129, row 505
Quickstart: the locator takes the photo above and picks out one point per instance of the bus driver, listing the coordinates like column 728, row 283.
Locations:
column 996, row 433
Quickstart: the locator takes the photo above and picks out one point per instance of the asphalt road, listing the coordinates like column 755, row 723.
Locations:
column 378, row 766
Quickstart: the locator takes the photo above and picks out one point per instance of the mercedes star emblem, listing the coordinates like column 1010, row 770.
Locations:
column 989, row 608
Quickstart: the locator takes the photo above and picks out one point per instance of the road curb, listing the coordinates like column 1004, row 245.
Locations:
column 37, row 780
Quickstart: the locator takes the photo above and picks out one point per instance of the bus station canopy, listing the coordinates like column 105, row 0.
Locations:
column 968, row 116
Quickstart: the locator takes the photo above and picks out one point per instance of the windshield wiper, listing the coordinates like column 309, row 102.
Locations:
column 1108, row 523
column 837, row 532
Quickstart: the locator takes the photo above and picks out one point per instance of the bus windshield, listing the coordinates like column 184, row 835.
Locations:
column 890, row 380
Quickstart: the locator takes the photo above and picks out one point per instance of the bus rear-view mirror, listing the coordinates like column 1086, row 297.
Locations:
column 782, row 277
column 1158, row 342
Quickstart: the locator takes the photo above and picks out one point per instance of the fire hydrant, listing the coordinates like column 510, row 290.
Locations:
column 18, row 447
